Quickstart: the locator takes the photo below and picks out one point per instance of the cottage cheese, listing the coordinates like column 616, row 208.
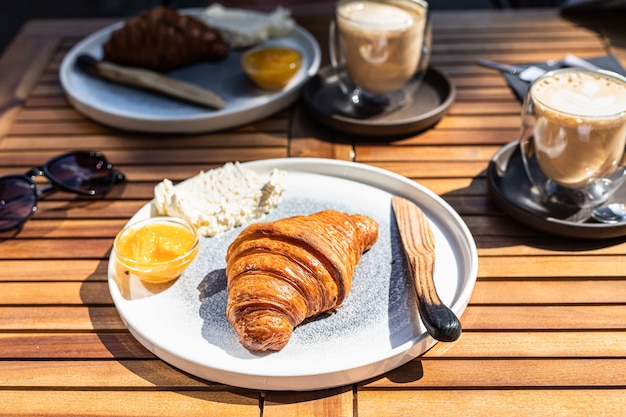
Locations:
column 217, row 200
column 243, row 28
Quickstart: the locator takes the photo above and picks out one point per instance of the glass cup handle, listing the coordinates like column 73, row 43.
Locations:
column 424, row 61
column 332, row 46
column 336, row 60
column 426, row 46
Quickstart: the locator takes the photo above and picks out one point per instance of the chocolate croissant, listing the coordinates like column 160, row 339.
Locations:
column 282, row 272
column 161, row 39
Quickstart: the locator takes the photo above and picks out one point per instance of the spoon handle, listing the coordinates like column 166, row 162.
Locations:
column 511, row 69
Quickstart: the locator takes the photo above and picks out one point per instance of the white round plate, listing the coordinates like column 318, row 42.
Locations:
column 133, row 109
column 375, row 330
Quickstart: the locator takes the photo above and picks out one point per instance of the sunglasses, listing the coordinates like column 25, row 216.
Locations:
column 84, row 172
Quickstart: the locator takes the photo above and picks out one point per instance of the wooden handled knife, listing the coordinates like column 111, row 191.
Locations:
column 150, row 80
column 419, row 247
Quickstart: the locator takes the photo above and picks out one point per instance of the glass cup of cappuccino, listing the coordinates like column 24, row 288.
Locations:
column 379, row 50
column 573, row 136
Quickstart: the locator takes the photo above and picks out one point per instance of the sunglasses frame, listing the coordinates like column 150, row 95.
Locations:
column 29, row 178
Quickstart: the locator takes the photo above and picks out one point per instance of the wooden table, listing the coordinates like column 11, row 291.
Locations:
column 545, row 330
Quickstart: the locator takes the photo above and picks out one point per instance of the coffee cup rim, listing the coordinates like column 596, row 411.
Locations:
column 421, row 3
column 606, row 73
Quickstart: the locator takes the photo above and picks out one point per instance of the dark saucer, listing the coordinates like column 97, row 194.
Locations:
column 512, row 191
column 331, row 107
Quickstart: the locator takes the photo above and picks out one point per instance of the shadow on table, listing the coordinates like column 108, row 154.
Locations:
column 602, row 16
column 408, row 373
column 123, row 347
column 492, row 227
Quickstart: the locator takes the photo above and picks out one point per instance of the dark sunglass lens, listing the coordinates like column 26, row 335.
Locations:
column 18, row 200
column 81, row 172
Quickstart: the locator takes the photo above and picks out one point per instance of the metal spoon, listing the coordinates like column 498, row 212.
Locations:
column 531, row 73
column 611, row 213
column 524, row 73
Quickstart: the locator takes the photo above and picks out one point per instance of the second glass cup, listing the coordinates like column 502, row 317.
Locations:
column 380, row 50
column 573, row 136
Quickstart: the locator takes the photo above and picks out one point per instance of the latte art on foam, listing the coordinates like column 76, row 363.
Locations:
column 368, row 16
column 581, row 93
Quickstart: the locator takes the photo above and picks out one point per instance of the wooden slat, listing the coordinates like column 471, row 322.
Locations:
column 156, row 156
column 336, row 402
column 572, row 317
column 550, row 292
column 54, row 249
column 35, row 345
column 55, row 318
column 76, row 228
column 50, row 293
column 84, row 374
column 553, row 266
column 48, row 270
column 118, row 403
column 139, row 141
column 505, row 373
column 533, row 344
column 512, row 403
column 86, row 127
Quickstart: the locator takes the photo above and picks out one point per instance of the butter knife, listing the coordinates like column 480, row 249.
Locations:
column 150, row 80
column 419, row 249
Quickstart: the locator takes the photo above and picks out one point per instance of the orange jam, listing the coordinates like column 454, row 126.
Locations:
column 271, row 68
column 157, row 249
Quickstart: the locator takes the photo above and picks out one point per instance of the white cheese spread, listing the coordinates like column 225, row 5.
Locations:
column 217, row 200
column 243, row 28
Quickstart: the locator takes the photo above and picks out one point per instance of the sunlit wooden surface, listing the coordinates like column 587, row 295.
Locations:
column 545, row 331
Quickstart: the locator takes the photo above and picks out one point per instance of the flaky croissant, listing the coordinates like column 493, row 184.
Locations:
column 161, row 39
column 282, row 272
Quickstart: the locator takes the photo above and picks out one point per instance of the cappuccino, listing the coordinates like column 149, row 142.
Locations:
column 381, row 43
column 580, row 126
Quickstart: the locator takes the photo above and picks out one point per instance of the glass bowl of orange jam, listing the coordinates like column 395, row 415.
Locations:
column 157, row 249
column 271, row 68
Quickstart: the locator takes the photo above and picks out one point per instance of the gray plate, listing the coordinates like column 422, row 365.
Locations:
column 331, row 107
column 133, row 109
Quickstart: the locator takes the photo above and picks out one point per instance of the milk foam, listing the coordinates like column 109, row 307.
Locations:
column 369, row 15
column 582, row 93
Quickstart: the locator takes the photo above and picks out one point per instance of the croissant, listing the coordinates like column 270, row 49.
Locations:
column 161, row 39
column 280, row 273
